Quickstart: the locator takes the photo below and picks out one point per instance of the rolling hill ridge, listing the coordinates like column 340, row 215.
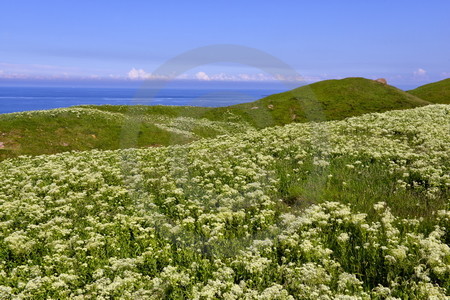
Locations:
column 436, row 92
column 326, row 100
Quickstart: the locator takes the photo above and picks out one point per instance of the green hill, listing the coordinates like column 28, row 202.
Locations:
column 113, row 127
column 84, row 128
column 436, row 92
column 325, row 100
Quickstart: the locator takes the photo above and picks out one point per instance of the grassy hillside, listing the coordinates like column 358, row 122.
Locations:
column 326, row 100
column 436, row 92
column 332, row 210
column 59, row 130
column 114, row 127
column 320, row 101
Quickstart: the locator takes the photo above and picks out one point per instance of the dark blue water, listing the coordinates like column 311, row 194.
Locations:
column 16, row 99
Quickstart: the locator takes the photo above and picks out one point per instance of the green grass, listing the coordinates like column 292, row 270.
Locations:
column 360, row 185
column 326, row 100
column 46, row 133
column 61, row 130
column 436, row 92
column 357, row 208
column 113, row 127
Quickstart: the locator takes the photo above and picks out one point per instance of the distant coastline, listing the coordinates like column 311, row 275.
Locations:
column 17, row 99
column 27, row 96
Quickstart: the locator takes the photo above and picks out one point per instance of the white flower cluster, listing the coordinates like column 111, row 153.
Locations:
column 205, row 221
column 75, row 111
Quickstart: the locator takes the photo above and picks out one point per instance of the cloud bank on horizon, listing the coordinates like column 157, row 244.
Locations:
column 140, row 74
column 49, row 73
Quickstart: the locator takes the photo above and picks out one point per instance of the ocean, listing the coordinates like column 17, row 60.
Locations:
column 17, row 99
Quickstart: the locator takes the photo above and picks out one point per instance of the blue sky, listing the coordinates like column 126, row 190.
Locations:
column 407, row 42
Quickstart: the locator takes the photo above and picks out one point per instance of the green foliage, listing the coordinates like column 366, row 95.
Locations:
column 327, row 100
column 436, row 92
column 353, row 208
column 103, row 128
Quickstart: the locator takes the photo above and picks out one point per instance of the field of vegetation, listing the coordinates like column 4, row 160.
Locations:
column 435, row 92
column 348, row 209
column 102, row 127
column 85, row 128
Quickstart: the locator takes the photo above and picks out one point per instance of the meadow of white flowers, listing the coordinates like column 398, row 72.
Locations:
column 210, row 219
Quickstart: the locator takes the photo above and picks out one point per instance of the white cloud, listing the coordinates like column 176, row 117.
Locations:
column 252, row 77
column 202, row 76
column 420, row 72
column 222, row 77
column 141, row 74
column 20, row 72
column 136, row 74
column 446, row 74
